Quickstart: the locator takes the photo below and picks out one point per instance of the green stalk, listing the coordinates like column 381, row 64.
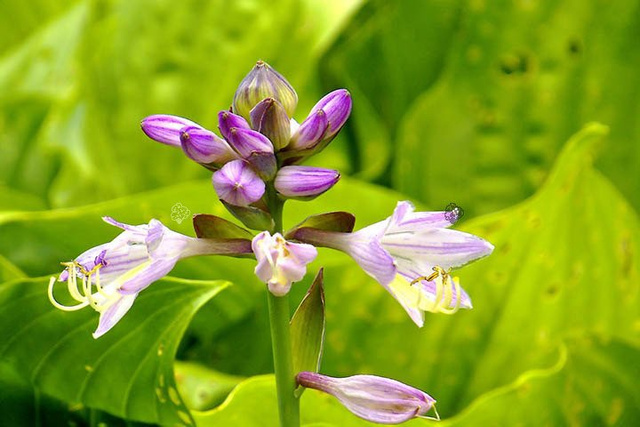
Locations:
column 288, row 403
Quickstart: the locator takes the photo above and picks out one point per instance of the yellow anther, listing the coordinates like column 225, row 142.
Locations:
column 84, row 295
column 445, row 285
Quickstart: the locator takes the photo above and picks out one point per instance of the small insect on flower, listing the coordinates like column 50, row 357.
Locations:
column 445, row 288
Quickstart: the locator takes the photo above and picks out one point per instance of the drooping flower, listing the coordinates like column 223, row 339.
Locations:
column 410, row 254
column 113, row 274
column 376, row 399
column 280, row 262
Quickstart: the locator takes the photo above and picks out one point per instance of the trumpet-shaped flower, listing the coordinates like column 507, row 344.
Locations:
column 376, row 399
column 280, row 262
column 410, row 254
column 109, row 277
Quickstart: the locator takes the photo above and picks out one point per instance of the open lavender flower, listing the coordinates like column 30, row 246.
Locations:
column 280, row 262
column 409, row 254
column 114, row 273
column 376, row 399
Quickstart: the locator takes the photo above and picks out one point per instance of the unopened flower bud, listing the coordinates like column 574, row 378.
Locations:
column 337, row 107
column 310, row 132
column 205, row 147
column 165, row 129
column 270, row 119
column 228, row 120
column 264, row 82
column 255, row 148
column 304, row 182
column 376, row 399
column 237, row 184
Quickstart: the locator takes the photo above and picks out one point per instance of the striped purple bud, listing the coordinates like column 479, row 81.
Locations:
column 237, row 184
column 228, row 120
column 304, row 182
column 256, row 149
column 165, row 129
column 310, row 132
column 337, row 107
column 205, row 147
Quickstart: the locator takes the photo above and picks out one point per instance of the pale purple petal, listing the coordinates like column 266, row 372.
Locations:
column 165, row 129
column 237, row 184
column 145, row 276
column 437, row 247
column 113, row 314
column 280, row 263
column 304, row 181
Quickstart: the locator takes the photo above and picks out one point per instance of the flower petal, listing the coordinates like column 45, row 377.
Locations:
column 113, row 314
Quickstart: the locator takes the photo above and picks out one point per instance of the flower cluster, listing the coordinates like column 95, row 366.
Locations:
column 256, row 168
column 261, row 143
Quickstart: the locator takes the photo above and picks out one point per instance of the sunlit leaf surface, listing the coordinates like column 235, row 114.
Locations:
column 127, row 372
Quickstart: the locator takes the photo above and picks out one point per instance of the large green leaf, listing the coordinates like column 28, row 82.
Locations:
column 76, row 83
column 128, row 372
column 520, row 79
column 591, row 383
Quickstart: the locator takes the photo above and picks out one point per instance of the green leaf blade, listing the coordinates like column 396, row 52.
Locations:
column 56, row 352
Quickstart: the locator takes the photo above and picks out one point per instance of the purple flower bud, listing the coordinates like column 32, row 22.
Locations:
column 376, row 399
column 248, row 141
column 237, row 184
column 270, row 119
column 264, row 82
column 205, row 147
column 165, row 129
column 255, row 148
column 304, row 182
column 337, row 107
column 310, row 132
column 228, row 120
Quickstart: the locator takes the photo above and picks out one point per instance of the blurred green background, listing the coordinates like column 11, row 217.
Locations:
column 488, row 104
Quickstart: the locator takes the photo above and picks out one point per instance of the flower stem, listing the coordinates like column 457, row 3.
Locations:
column 288, row 403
